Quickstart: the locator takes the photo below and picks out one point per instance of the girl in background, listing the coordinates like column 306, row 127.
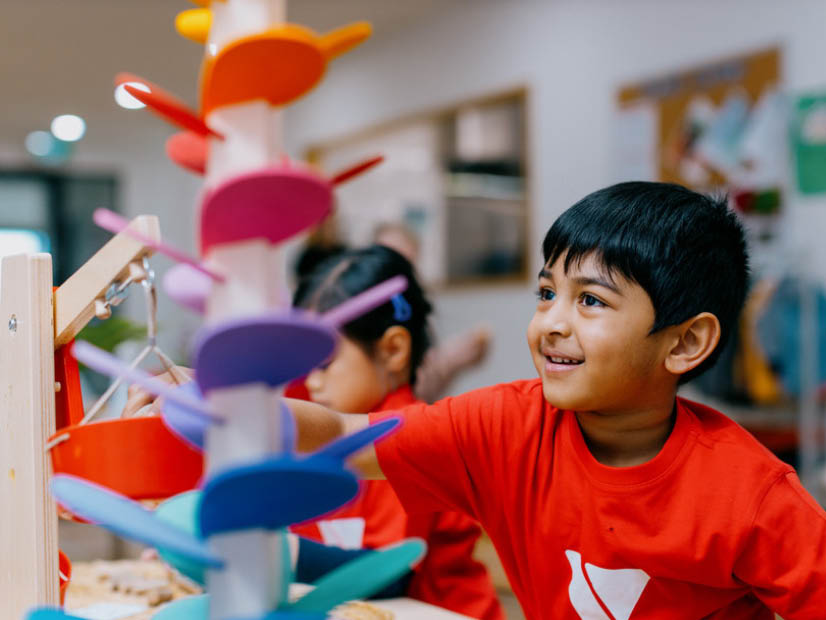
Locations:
column 374, row 369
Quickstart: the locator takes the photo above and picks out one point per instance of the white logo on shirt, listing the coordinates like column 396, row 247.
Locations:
column 344, row 533
column 618, row 590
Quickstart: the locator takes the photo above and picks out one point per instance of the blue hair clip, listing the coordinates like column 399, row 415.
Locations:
column 401, row 309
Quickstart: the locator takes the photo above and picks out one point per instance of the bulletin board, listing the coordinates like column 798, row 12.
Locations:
column 718, row 125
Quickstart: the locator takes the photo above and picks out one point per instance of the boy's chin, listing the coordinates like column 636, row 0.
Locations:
column 561, row 400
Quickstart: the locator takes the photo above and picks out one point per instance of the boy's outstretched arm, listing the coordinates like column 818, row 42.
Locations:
column 316, row 425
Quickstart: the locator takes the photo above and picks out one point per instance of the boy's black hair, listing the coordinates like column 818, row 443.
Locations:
column 687, row 250
column 351, row 272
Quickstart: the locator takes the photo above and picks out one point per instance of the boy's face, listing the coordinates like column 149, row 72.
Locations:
column 590, row 340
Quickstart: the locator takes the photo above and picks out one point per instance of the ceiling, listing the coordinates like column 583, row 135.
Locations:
column 60, row 56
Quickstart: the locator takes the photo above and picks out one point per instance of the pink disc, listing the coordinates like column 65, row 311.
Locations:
column 274, row 203
column 188, row 287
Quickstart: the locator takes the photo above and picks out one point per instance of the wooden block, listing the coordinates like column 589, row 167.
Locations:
column 28, row 516
column 74, row 300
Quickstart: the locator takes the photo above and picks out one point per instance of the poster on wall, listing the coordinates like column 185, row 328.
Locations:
column 809, row 143
column 719, row 126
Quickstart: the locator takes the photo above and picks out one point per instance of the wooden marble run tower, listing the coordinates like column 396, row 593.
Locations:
column 222, row 453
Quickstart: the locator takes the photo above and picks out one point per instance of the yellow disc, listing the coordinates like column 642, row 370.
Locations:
column 194, row 24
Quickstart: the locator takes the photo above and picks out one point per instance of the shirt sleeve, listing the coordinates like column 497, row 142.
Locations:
column 784, row 560
column 445, row 453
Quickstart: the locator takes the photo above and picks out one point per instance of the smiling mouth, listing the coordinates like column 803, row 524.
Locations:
column 563, row 360
column 554, row 363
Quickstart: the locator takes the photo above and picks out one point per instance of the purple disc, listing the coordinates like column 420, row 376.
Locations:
column 275, row 203
column 191, row 426
column 271, row 349
column 180, row 420
column 274, row 493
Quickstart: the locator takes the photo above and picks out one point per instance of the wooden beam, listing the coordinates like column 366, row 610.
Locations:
column 74, row 300
column 28, row 516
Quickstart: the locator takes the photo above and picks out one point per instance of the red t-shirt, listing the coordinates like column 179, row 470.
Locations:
column 448, row 576
column 714, row 526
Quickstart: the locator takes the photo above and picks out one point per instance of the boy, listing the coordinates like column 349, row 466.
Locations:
column 606, row 495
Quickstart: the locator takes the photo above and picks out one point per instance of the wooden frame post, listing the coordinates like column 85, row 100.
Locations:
column 28, row 516
column 33, row 322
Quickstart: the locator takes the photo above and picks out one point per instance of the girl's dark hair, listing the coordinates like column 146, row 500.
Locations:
column 351, row 272
column 687, row 250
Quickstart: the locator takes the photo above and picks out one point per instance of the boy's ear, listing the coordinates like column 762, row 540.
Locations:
column 394, row 348
column 696, row 340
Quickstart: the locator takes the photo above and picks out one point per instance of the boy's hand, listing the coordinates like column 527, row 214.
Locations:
column 138, row 398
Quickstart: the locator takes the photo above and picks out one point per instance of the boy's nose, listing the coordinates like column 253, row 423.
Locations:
column 556, row 321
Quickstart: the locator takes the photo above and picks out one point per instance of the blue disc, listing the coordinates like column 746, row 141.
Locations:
column 274, row 493
column 197, row 608
column 128, row 518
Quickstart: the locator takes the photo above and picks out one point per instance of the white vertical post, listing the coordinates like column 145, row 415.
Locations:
column 249, row 583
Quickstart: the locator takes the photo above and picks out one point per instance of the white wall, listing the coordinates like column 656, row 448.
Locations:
column 573, row 55
column 63, row 59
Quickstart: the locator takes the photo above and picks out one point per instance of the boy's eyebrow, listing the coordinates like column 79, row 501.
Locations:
column 584, row 281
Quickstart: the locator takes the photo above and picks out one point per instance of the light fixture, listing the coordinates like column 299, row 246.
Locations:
column 40, row 143
column 68, row 127
column 125, row 100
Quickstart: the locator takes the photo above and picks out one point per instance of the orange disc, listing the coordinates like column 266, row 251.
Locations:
column 137, row 457
column 278, row 66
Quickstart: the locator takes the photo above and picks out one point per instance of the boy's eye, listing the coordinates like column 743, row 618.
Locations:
column 591, row 301
column 545, row 294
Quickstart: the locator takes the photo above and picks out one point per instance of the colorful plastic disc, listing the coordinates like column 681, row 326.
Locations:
column 342, row 448
column 187, row 286
column 194, row 24
column 278, row 65
column 50, row 613
column 114, row 454
column 164, row 104
column 181, row 511
column 189, row 150
column 273, row 494
column 271, row 349
column 191, row 428
column 64, row 566
column 274, row 203
column 197, row 608
column 128, row 519
column 189, row 608
column 361, row 577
